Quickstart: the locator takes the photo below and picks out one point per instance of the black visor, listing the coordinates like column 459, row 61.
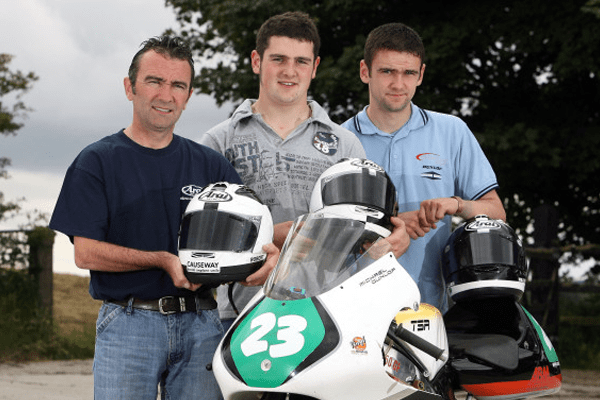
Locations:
column 486, row 249
column 363, row 189
column 212, row 230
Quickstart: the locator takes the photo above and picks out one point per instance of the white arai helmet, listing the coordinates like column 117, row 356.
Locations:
column 222, row 233
column 358, row 182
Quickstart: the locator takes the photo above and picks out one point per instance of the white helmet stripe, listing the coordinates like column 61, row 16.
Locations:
column 495, row 283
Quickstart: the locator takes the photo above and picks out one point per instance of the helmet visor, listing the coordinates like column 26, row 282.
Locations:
column 214, row 230
column 487, row 249
column 366, row 189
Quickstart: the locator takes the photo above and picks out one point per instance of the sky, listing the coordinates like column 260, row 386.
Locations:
column 81, row 51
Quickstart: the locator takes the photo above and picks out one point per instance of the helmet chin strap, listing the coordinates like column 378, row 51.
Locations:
column 230, row 297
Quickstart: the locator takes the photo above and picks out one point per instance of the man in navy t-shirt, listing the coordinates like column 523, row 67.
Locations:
column 121, row 204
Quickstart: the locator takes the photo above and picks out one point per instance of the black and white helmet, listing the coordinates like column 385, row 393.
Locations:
column 358, row 182
column 484, row 257
column 222, row 234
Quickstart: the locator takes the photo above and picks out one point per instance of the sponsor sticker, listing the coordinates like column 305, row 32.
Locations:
column 327, row 143
column 420, row 325
column 359, row 345
column 431, row 158
column 434, row 176
column 433, row 164
column 203, row 267
column 392, row 363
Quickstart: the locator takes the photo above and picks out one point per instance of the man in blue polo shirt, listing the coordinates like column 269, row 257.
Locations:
column 121, row 205
column 434, row 160
column 281, row 142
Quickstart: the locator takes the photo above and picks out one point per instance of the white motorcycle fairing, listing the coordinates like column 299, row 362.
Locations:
column 428, row 324
column 355, row 340
column 299, row 343
column 340, row 319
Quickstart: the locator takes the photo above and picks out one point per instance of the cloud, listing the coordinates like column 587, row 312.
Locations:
column 40, row 189
column 81, row 52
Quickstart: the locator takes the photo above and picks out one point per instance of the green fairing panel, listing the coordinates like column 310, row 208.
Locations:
column 274, row 339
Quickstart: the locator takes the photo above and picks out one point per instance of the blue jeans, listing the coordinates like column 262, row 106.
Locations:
column 227, row 323
column 137, row 350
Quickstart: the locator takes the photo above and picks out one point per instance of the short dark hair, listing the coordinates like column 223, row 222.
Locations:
column 169, row 46
column 396, row 37
column 293, row 24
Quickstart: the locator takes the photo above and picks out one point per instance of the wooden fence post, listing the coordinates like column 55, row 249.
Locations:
column 40, row 241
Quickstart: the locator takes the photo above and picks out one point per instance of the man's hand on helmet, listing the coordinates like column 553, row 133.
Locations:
column 175, row 271
column 399, row 238
column 260, row 276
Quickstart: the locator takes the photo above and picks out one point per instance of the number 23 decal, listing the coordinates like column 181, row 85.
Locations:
column 289, row 328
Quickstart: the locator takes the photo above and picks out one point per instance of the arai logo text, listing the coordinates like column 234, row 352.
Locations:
column 215, row 196
column 482, row 225
column 191, row 190
column 367, row 164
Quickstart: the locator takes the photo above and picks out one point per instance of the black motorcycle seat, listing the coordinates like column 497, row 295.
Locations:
column 496, row 350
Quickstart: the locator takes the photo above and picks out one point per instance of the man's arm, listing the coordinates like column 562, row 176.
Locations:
column 489, row 204
column 107, row 257
column 102, row 256
column 421, row 221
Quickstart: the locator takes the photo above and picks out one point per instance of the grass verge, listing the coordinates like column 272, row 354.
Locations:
column 70, row 334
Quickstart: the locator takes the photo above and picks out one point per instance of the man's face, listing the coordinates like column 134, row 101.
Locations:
column 161, row 92
column 286, row 70
column 393, row 80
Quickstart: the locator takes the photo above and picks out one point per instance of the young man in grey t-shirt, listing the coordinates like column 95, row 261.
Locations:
column 281, row 143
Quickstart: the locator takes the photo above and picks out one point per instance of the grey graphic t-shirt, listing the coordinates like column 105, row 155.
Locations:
column 281, row 171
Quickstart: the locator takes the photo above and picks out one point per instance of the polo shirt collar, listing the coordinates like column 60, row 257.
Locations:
column 417, row 120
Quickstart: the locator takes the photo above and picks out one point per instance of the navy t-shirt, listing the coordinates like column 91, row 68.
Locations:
column 122, row 193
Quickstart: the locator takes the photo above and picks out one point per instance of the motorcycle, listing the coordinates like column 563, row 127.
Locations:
column 340, row 318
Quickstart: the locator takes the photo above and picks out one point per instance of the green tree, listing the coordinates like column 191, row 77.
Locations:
column 24, row 325
column 523, row 74
column 11, row 83
column 15, row 83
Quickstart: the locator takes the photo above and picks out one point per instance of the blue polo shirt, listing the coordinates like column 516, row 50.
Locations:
column 119, row 192
column 433, row 155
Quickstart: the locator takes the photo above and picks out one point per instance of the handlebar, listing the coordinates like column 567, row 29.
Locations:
column 400, row 333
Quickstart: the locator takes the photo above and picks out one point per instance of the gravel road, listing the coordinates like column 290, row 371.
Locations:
column 52, row 380
column 73, row 380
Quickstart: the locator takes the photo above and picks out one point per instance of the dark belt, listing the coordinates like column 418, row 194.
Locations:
column 171, row 304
